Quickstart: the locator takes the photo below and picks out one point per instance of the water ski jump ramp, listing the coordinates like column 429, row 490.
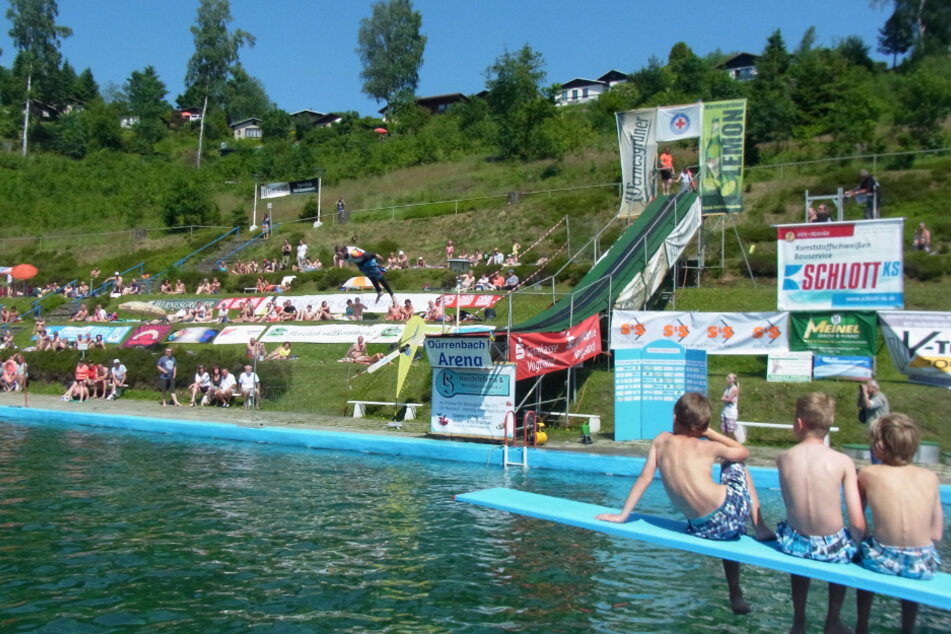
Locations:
column 632, row 269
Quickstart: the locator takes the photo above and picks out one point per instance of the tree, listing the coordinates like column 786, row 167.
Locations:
column 245, row 96
column 144, row 94
column 37, row 36
column 86, row 89
column 275, row 124
column 391, row 49
column 897, row 36
column 216, row 51
column 772, row 110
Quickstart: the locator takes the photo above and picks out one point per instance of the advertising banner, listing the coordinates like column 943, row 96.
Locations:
column 536, row 353
column 146, row 336
column 636, row 131
column 175, row 305
column 789, row 367
column 333, row 333
column 110, row 334
column 238, row 334
column 835, row 333
column 235, row 303
column 840, row 265
column 278, row 190
column 337, row 302
column 472, row 402
column 469, row 300
column 721, row 156
column 192, row 335
column 835, row 367
column 679, row 122
column 716, row 333
column 920, row 344
column 459, row 352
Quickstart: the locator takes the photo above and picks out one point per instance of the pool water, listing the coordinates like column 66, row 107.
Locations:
column 109, row 531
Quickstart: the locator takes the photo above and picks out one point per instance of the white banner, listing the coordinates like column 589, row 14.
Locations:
column 238, row 334
column 192, row 335
column 472, row 403
column 840, row 265
column 789, row 367
column 636, row 138
column 679, row 122
column 275, row 190
column 716, row 333
column 638, row 291
column 459, row 352
column 338, row 301
column 920, row 344
column 333, row 333
column 234, row 303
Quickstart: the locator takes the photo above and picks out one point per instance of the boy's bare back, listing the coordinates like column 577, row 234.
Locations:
column 686, row 469
column 811, row 477
column 905, row 504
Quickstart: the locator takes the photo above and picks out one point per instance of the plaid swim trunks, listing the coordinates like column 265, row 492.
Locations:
column 916, row 562
column 728, row 521
column 837, row 548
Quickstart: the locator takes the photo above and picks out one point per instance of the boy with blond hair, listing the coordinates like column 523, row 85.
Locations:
column 717, row 511
column 906, row 509
column 811, row 476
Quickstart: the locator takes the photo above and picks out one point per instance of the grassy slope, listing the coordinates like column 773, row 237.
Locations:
column 917, row 192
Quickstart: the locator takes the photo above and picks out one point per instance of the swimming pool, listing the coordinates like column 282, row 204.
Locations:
column 106, row 530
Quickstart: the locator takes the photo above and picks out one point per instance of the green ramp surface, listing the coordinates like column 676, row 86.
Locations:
column 600, row 287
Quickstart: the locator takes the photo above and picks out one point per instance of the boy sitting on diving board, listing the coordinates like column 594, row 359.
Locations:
column 906, row 509
column 811, row 477
column 717, row 511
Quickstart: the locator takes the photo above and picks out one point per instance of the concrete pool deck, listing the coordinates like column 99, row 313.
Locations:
column 566, row 452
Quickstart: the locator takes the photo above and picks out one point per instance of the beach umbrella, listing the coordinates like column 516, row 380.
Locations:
column 142, row 308
column 380, row 130
column 357, row 283
column 23, row 271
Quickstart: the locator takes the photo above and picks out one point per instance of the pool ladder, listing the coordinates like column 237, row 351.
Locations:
column 529, row 422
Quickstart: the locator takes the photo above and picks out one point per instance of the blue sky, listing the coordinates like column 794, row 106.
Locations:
column 306, row 49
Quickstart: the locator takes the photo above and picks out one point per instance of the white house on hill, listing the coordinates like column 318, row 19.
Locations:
column 247, row 128
column 580, row 90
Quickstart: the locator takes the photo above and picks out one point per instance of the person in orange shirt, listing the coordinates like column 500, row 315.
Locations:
column 666, row 170
column 80, row 386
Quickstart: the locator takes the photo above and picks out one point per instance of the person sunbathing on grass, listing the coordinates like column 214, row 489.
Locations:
column 81, row 315
column 358, row 353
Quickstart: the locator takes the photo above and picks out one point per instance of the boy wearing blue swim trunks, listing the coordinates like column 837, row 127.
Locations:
column 714, row 510
column 906, row 510
column 811, row 477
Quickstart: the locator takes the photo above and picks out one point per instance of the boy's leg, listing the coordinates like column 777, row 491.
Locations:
column 800, row 593
column 863, row 601
column 731, row 569
column 763, row 532
column 909, row 612
column 836, row 598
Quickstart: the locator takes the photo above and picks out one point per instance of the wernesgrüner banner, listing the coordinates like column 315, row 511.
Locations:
column 716, row 333
column 636, row 130
column 721, row 156
column 834, row 333
column 840, row 265
column 920, row 344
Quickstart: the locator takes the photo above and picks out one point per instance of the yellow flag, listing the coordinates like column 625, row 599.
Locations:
column 412, row 337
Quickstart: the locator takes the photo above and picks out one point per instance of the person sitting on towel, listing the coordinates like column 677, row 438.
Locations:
column 717, row 511
column 906, row 511
column 358, row 353
column 815, row 480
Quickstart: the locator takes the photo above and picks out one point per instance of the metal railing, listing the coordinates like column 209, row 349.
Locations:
column 147, row 282
column 874, row 158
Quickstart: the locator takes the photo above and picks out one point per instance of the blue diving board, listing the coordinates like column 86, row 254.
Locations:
column 672, row 534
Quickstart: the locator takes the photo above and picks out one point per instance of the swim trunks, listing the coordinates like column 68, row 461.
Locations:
column 915, row 562
column 728, row 521
column 837, row 548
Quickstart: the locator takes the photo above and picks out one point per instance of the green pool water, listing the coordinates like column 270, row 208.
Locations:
column 106, row 531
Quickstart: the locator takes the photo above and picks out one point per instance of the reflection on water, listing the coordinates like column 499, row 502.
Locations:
column 111, row 531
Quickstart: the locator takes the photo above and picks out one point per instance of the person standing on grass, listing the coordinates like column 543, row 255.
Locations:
column 168, row 370
column 730, row 412
column 250, row 384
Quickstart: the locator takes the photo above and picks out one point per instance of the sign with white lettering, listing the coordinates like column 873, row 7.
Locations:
column 840, row 265
column 834, row 333
column 459, row 352
column 536, row 353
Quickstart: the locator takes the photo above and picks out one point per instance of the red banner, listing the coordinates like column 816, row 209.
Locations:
column 536, row 353
column 469, row 300
column 146, row 336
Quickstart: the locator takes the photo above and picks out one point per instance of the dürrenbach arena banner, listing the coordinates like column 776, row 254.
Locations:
column 840, row 265
column 716, row 333
column 721, row 156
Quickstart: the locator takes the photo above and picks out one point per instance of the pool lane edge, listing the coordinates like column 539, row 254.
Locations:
column 369, row 443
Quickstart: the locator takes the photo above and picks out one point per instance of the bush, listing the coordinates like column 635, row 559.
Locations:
column 923, row 266
column 763, row 262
